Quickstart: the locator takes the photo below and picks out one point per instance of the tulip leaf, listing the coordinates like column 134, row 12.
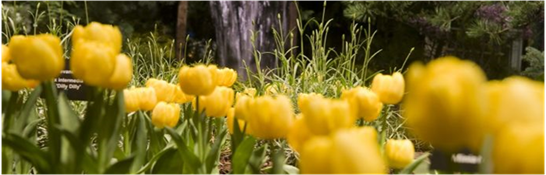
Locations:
column 93, row 111
column 241, row 156
column 11, row 108
column 169, row 163
column 409, row 169
column 140, row 142
column 152, row 161
column 6, row 96
column 69, row 120
column 27, row 151
column 187, row 155
column 78, row 149
column 121, row 167
column 53, row 135
column 257, row 159
column 90, row 165
column 486, row 166
column 214, row 153
column 30, row 128
column 28, row 108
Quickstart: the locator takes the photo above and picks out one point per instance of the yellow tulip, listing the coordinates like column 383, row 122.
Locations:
column 250, row 92
column 364, row 103
column 165, row 115
column 243, row 103
column 86, row 57
column 11, row 80
column 38, row 57
column 216, row 104
column 5, row 54
column 519, row 149
column 298, row 134
column 399, row 153
column 390, row 89
column 241, row 123
column 508, row 97
column 349, row 151
column 100, row 33
column 324, row 116
column 180, row 97
column 141, row 98
column 226, row 77
column 446, row 103
column 123, row 72
column 199, row 80
column 132, row 103
column 164, row 90
column 269, row 117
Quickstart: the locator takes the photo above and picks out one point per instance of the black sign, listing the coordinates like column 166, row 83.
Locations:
column 73, row 88
column 463, row 161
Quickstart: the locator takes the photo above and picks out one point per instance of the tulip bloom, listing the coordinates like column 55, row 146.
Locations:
column 364, row 103
column 11, row 80
column 86, row 57
column 399, row 153
column 348, row 151
column 298, row 134
column 231, row 118
column 226, row 77
column 199, row 80
column 123, row 72
column 132, row 102
column 519, row 149
column 446, row 103
column 165, row 115
column 216, row 104
column 164, row 90
column 268, row 117
column 141, row 98
column 324, row 116
column 5, row 54
column 390, row 89
column 96, row 32
column 38, row 57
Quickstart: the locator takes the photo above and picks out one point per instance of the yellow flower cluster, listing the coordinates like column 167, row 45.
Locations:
column 167, row 92
column 268, row 117
column 98, row 44
column 201, row 80
column 216, row 104
column 141, row 98
column 166, row 115
column 451, row 105
column 11, row 80
column 30, row 54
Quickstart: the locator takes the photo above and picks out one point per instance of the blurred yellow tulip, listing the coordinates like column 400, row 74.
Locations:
column 269, row 117
column 12, row 81
column 250, row 92
column 5, row 54
column 446, row 103
column 390, row 89
column 243, row 103
column 141, row 98
column 164, row 90
column 515, row 96
column 298, row 134
column 180, row 97
column 226, row 77
column 399, row 153
column 100, row 33
column 364, row 103
column 519, row 149
column 199, row 80
column 324, row 116
column 165, row 115
column 38, row 57
column 241, row 123
column 86, row 57
column 348, row 151
column 123, row 72
column 216, row 104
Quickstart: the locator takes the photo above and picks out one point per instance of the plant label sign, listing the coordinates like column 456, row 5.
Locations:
column 72, row 87
column 463, row 161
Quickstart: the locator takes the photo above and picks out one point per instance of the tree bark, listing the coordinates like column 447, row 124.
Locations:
column 235, row 22
column 181, row 24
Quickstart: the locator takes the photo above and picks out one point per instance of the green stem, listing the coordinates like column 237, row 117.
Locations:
column 384, row 127
column 54, row 141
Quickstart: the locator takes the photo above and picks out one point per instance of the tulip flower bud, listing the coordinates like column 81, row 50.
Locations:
column 226, row 77
column 165, row 115
column 5, row 54
column 243, row 103
column 443, row 97
column 199, row 80
column 399, row 153
column 164, row 91
column 147, row 98
column 390, row 89
column 11, row 80
column 38, row 57
column 324, row 116
column 269, row 117
column 348, row 151
column 216, row 104
column 123, row 72
column 86, row 57
column 96, row 32
column 132, row 102
column 298, row 134
column 519, row 149
column 180, row 97
column 364, row 103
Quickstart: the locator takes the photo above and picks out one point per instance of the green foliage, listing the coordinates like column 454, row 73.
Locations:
column 535, row 58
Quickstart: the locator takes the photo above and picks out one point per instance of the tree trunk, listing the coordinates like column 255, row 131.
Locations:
column 181, row 29
column 235, row 22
